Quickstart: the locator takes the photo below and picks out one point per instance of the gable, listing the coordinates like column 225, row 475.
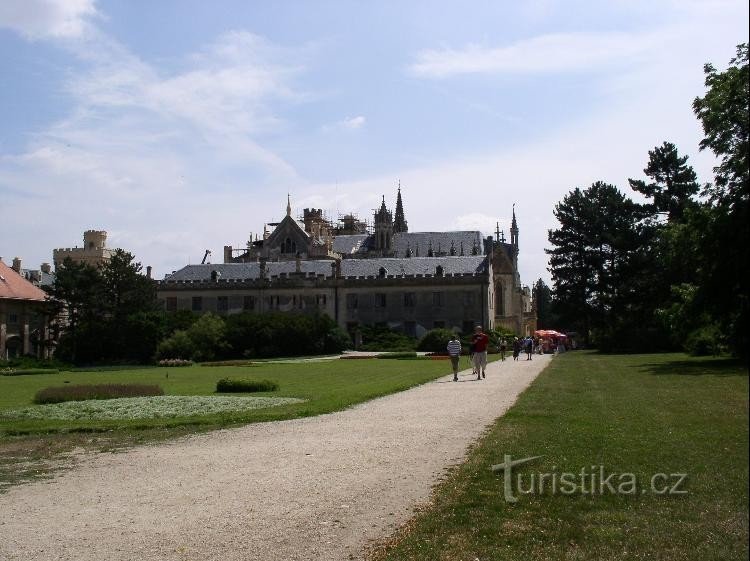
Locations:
column 288, row 229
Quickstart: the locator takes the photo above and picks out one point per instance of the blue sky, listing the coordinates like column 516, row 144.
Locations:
column 180, row 126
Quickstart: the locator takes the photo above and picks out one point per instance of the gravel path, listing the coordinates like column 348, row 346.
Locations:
column 318, row 488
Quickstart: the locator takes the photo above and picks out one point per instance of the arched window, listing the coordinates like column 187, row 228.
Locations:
column 499, row 300
column 439, row 271
column 382, row 272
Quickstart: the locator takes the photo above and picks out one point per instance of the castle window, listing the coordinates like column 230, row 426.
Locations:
column 222, row 304
column 437, row 299
column 171, row 304
column 382, row 272
column 352, row 301
column 288, row 246
column 321, row 299
column 439, row 271
column 248, row 303
column 410, row 299
column 380, row 300
column 197, row 304
column 469, row 298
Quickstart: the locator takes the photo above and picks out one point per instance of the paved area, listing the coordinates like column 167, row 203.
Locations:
column 307, row 489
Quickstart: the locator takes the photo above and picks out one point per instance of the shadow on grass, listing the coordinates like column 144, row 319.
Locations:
column 709, row 366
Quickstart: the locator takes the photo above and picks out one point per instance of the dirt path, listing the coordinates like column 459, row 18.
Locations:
column 317, row 488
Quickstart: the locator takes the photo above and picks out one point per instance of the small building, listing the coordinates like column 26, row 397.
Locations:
column 24, row 325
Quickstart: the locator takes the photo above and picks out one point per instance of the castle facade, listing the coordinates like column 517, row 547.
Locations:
column 362, row 274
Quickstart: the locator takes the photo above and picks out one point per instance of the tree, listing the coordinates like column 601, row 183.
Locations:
column 724, row 114
column 109, row 312
column 75, row 296
column 594, row 258
column 673, row 185
column 723, row 250
column 545, row 316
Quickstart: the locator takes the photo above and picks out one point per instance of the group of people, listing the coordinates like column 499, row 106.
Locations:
column 478, row 351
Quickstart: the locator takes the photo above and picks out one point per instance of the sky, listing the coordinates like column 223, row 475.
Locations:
column 181, row 125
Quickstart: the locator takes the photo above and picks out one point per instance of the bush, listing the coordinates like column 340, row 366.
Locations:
column 435, row 340
column 705, row 341
column 401, row 355
column 228, row 385
column 176, row 346
column 382, row 338
column 95, row 391
column 284, row 334
column 10, row 371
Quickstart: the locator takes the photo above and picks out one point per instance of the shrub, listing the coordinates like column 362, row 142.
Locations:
column 228, row 385
column 382, row 338
column 95, row 391
column 400, row 355
column 284, row 334
column 229, row 363
column 178, row 345
column 10, row 371
column 704, row 341
column 435, row 340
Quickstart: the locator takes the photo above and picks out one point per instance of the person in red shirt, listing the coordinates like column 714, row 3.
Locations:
column 480, row 342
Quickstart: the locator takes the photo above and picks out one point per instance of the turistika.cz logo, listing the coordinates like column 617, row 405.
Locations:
column 590, row 480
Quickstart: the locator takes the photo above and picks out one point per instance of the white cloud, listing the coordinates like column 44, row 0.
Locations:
column 347, row 124
column 42, row 19
column 558, row 52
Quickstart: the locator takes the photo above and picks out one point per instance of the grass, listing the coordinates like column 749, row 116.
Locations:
column 32, row 447
column 639, row 414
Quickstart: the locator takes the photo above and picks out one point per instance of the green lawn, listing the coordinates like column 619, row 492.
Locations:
column 639, row 414
column 31, row 449
column 326, row 386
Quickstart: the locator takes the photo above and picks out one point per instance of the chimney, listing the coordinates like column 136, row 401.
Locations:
column 148, row 272
column 46, row 268
column 16, row 265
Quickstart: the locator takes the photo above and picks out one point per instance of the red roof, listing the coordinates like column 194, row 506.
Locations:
column 14, row 286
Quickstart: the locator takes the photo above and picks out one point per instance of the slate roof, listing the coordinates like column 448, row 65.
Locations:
column 14, row 286
column 441, row 242
column 243, row 271
column 349, row 268
column 399, row 266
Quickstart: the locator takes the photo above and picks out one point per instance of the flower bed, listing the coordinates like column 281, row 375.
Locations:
column 175, row 362
column 164, row 406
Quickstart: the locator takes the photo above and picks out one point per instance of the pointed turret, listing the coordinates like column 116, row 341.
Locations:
column 383, row 228
column 288, row 205
column 399, row 222
column 514, row 229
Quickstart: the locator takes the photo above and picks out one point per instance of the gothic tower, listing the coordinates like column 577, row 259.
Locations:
column 514, row 237
column 399, row 223
column 383, row 228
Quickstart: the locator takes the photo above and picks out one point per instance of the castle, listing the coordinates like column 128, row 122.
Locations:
column 364, row 275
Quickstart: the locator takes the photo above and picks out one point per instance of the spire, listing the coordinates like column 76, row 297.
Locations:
column 288, row 205
column 399, row 222
column 514, row 230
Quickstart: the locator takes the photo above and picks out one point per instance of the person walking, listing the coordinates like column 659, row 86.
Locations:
column 529, row 347
column 516, row 348
column 454, row 350
column 480, row 342
column 502, row 346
